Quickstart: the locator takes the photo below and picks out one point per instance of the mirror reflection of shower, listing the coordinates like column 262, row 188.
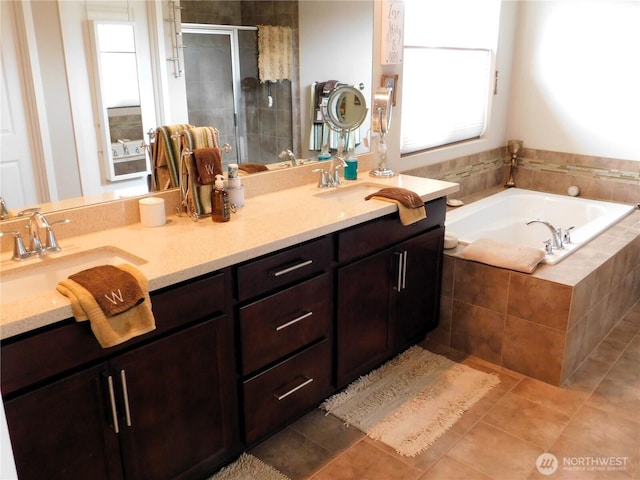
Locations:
column 223, row 91
column 514, row 147
column 381, row 117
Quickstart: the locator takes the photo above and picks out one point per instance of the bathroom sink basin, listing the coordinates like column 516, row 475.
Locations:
column 348, row 192
column 41, row 274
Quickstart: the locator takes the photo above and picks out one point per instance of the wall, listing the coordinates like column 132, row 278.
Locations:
column 594, row 114
column 576, row 78
column 348, row 32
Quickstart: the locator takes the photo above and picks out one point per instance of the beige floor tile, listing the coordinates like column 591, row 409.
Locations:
column 587, row 377
column 603, row 433
column 449, row 469
column 292, row 454
column 633, row 350
column 327, row 430
column 495, row 453
column 619, row 391
column 364, row 461
column 527, row 420
column 562, row 400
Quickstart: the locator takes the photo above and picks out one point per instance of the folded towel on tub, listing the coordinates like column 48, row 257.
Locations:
column 115, row 300
column 504, row 255
column 410, row 205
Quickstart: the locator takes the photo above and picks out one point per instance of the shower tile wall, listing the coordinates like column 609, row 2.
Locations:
column 269, row 129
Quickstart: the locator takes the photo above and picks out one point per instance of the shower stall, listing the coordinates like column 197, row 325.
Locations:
column 223, row 91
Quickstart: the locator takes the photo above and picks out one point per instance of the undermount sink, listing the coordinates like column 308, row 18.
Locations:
column 345, row 191
column 41, row 274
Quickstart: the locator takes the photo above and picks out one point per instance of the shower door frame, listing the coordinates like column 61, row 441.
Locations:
column 230, row 31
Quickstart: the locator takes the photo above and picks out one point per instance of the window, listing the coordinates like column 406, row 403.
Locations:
column 449, row 50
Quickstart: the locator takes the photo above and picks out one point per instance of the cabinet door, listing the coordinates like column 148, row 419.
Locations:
column 417, row 302
column 363, row 334
column 61, row 431
column 181, row 400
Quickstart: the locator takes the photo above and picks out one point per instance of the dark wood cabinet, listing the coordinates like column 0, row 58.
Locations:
column 59, row 431
column 416, row 305
column 170, row 404
column 165, row 408
column 388, row 289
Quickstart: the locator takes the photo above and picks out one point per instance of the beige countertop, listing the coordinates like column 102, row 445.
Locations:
column 183, row 249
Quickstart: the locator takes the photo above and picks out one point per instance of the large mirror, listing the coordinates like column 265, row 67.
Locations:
column 118, row 100
column 59, row 34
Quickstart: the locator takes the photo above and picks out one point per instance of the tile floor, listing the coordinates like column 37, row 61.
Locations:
column 594, row 417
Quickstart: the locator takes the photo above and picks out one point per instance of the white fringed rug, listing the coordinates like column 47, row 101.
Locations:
column 411, row 400
column 248, row 467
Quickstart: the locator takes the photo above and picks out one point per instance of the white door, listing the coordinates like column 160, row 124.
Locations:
column 17, row 180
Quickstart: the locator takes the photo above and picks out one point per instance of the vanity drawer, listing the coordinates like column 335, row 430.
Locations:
column 284, row 268
column 381, row 233
column 286, row 391
column 287, row 321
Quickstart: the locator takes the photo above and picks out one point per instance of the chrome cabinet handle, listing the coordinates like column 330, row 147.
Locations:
column 401, row 282
column 306, row 382
column 112, row 402
column 398, row 286
column 294, row 321
column 404, row 269
column 125, row 398
column 292, row 268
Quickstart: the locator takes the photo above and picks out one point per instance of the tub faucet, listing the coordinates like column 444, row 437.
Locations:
column 556, row 233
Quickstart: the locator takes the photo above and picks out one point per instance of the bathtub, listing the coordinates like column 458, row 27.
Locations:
column 503, row 216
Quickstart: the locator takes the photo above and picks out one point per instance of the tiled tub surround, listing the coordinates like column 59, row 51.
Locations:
column 599, row 178
column 544, row 324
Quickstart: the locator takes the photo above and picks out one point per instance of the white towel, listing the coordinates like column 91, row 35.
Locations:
column 275, row 53
column 505, row 255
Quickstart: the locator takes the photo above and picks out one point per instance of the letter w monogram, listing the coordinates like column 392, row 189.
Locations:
column 115, row 297
column 210, row 168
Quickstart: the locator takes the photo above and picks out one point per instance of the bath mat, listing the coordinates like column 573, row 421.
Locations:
column 411, row 400
column 248, row 467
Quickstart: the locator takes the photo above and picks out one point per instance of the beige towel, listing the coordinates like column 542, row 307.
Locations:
column 504, row 255
column 410, row 205
column 275, row 53
column 117, row 329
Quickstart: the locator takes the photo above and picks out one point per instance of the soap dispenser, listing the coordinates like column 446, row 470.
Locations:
column 220, row 209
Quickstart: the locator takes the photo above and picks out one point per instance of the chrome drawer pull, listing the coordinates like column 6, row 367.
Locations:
column 294, row 389
column 292, row 268
column 125, row 398
column 112, row 401
column 295, row 320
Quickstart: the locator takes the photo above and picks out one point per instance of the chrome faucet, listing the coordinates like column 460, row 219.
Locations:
column 125, row 147
column 36, row 222
column 334, row 171
column 556, row 235
column 4, row 211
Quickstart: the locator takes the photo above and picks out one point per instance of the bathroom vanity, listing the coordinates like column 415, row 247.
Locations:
column 251, row 334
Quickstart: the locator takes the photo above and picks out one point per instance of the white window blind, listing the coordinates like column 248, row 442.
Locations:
column 447, row 75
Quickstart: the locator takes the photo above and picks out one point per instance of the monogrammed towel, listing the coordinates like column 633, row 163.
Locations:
column 125, row 297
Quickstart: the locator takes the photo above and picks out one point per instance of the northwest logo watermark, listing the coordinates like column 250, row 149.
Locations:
column 548, row 463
